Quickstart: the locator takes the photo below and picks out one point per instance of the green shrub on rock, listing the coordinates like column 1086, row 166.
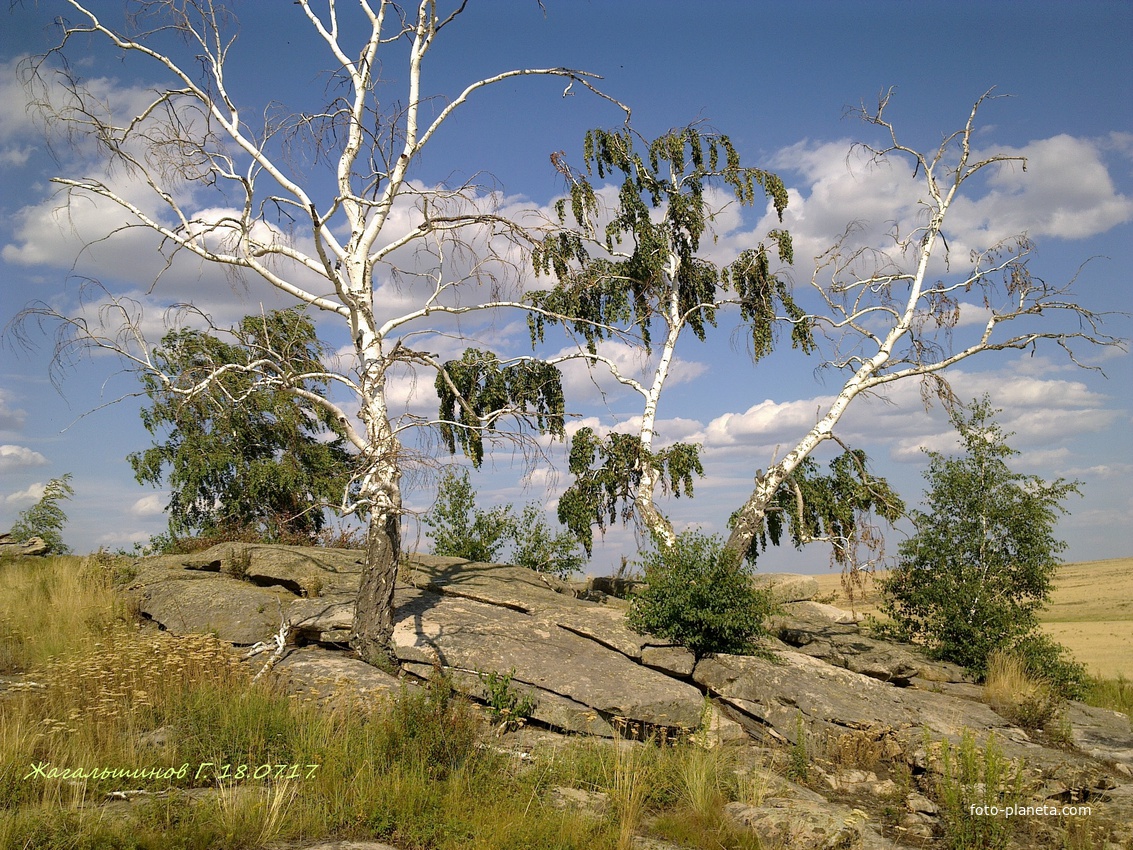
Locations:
column 700, row 595
column 983, row 559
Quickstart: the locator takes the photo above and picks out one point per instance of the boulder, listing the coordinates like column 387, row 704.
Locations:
column 544, row 598
column 787, row 587
column 324, row 620
column 196, row 603
column 334, row 678
column 302, row 570
column 820, row 611
column 674, row 660
column 1101, row 733
column 619, row 588
column 844, row 645
column 31, row 546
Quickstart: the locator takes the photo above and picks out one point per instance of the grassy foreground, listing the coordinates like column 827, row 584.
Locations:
column 94, row 708
column 118, row 736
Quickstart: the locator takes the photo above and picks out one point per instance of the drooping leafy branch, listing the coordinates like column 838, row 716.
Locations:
column 648, row 269
column 478, row 390
column 834, row 507
column 608, row 472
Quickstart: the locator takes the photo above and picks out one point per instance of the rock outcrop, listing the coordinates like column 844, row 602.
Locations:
column 822, row 681
column 843, row 644
column 31, row 546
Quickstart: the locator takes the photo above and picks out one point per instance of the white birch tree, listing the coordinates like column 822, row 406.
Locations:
column 888, row 318
column 325, row 240
column 642, row 273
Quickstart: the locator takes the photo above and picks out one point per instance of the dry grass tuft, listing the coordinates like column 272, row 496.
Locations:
column 1018, row 696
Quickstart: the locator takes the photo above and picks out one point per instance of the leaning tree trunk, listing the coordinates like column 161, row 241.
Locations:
column 657, row 523
column 749, row 520
column 645, row 497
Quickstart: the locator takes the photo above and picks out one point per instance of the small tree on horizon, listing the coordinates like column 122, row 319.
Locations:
column 459, row 528
column 45, row 519
column 983, row 558
column 462, row 529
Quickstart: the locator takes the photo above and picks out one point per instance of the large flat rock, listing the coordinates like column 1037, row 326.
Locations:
column 195, row 603
column 560, row 668
column 548, row 601
column 334, row 679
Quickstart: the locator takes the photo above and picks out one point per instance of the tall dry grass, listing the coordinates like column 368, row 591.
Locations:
column 1017, row 695
column 53, row 607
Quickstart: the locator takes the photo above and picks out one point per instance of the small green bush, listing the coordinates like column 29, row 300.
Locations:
column 700, row 596
column 536, row 546
column 461, row 529
column 507, row 707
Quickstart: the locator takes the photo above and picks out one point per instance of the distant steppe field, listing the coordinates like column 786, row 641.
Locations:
column 1091, row 611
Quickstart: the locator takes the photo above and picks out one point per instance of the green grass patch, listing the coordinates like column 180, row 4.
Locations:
column 1115, row 693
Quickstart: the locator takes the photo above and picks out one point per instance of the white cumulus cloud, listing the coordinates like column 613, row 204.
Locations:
column 27, row 497
column 19, row 457
column 151, row 505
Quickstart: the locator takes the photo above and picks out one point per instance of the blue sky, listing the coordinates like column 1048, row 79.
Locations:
column 778, row 78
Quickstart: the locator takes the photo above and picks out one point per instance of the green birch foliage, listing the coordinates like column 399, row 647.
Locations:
column 476, row 391
column 538, row 547
column 984, row 556
column 462, row 529
column 836, row 506
column 244, row 455
column 638, row 278
column 606, row 474
column 45, row 519
column 644, row 270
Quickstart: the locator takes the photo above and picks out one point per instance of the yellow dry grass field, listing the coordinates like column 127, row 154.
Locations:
column 1091, row 611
